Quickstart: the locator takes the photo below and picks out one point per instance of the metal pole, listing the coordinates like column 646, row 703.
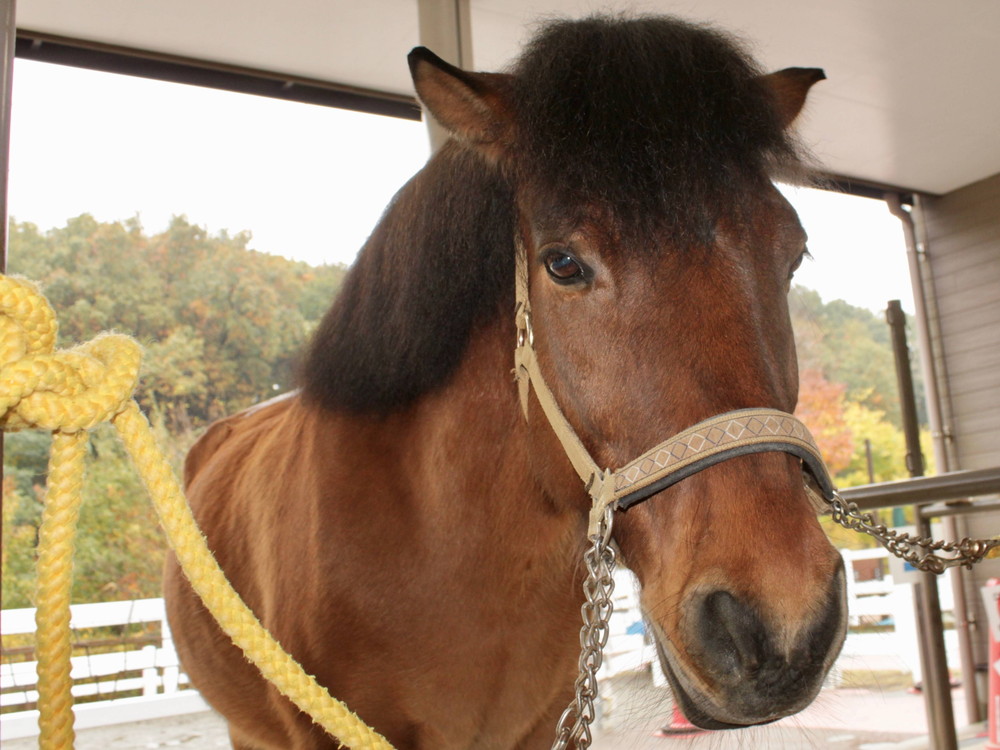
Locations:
column 937, row 682
column 445, row 29
column 928, row 685
column 964, row 628
column 939, row 415
column 950, row 486
column 940, row 431
column 7, row 44
column 904, row 377
column 964, row 624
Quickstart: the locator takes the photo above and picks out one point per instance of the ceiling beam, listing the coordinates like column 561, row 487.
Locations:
column 107, row 58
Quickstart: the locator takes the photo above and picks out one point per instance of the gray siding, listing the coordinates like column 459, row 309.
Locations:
column 963, row 247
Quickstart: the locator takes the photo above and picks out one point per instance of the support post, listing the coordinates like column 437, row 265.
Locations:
column 934, row 660
column 937, row 681
column 7, row 44
column 904, row 378
column 446, row 30
column 915, row 464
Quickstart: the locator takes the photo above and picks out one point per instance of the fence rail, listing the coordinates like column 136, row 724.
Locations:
column 150, row 674
column 140, row 681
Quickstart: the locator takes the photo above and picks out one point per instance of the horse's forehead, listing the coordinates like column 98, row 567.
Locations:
column 771, row 220
column 553, row 216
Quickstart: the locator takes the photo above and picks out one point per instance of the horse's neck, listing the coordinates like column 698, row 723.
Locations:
column 465, row 453
column 474, row 424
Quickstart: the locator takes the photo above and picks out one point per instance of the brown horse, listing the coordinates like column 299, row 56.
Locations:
column 410, row 537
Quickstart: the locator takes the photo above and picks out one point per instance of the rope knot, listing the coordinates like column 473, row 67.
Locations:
column 66, row 390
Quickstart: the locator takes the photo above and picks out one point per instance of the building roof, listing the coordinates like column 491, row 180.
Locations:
column 912, row 98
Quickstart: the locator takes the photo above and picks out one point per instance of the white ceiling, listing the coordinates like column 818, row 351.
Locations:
column 912, row 100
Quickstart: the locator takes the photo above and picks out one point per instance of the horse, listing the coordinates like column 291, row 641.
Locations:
column 410, row 536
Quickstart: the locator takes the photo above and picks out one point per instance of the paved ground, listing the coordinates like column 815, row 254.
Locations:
column 842, row 719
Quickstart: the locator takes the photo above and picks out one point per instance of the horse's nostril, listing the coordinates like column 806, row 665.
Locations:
column 732, row 636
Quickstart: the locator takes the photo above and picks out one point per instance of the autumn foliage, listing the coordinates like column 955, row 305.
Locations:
column 821, row 408
column 221, row 325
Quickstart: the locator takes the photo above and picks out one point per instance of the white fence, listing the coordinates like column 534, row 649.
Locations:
column 164, row 686
column 158, row 675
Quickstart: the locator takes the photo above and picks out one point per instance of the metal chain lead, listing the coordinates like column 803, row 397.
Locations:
column 921, row 552
column 574, row 724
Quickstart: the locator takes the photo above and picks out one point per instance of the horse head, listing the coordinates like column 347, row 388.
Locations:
column 640, row 155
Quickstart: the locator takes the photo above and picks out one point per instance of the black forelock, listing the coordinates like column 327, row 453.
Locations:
column 661, row 121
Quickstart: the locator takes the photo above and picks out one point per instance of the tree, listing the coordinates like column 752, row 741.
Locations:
column 221, row 326
column 850, row 345
column 821, row 407
column 20, row 538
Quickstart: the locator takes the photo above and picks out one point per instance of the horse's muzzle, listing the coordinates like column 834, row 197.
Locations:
column 740, row 671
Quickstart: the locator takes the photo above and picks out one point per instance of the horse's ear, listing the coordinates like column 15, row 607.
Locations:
column 471, row 106
column 789, row 88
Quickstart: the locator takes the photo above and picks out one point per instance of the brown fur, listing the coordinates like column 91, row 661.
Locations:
column 416, row 544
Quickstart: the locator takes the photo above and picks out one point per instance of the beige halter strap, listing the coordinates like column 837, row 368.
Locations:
column 709, row 442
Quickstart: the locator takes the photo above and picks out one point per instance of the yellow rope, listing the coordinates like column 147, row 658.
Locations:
column 55, row 578
column 69, row 392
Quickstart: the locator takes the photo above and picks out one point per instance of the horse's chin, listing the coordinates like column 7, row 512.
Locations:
column 706, row 712
column 691, row 707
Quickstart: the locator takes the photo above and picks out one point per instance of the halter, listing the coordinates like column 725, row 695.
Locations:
column 717, row 439
column 711, row 441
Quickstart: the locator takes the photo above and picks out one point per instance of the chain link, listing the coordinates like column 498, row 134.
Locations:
column 574, row 724
column 921, row 552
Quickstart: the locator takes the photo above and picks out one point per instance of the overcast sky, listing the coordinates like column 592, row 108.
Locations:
column 308, row 182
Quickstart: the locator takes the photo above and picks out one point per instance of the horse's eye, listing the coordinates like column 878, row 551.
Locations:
column 563, row 268
column 798, row 262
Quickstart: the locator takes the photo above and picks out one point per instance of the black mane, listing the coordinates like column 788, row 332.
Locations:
column 439, row 261
column 661, row 122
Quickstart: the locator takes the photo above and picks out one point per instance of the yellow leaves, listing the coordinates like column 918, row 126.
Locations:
column 199, row 309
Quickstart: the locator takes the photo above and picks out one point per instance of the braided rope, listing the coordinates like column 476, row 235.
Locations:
column 68, row 393
column 56, row 540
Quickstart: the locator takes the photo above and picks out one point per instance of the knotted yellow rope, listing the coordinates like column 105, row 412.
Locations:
column 69, row 392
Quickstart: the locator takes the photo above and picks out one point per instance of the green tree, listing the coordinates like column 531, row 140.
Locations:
column 221, row 326
column 17, row 554
column 850, row 345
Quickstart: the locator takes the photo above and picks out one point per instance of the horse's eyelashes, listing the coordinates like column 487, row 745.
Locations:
column 798, row 262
